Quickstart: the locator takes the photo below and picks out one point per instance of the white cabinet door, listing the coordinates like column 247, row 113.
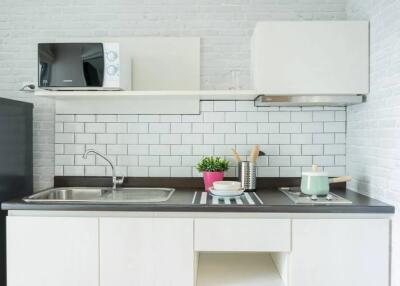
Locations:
column 345, row 252
column 146, row 251
column 311, row 57
column 52, row 251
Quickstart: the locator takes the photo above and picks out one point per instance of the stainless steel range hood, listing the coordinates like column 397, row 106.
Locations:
column 308, row 100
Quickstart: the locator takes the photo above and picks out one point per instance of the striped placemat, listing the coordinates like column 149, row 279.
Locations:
column 205, row 198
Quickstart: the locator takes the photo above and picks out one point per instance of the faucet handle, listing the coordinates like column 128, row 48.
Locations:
column 119, row 180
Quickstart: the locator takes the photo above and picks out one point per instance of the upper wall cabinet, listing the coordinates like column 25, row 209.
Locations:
column 311, row 57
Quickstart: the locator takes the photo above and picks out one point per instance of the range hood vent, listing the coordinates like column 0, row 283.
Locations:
column 308, row 100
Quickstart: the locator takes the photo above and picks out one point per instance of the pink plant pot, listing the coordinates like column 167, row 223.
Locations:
column 210, row 178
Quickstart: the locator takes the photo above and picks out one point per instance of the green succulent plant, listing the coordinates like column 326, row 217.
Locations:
column 213, row 164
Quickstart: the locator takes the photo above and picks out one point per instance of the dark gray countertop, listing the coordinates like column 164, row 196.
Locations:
column 181, row 201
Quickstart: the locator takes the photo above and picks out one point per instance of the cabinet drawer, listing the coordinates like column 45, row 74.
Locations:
column 242, row 235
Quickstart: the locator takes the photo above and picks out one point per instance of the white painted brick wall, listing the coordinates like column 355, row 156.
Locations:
column 225, row 28
column 373, row 141
column 174, row 148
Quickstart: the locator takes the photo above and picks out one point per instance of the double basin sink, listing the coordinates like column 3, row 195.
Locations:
column 102, row 195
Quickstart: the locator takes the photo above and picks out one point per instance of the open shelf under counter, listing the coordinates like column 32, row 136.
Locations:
column 143, row 102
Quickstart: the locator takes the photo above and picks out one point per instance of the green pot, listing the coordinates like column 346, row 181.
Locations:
column 315, row 183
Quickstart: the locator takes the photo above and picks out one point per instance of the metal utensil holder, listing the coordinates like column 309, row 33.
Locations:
column 247, row 175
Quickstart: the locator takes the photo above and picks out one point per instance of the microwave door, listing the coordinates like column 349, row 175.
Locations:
column 71, row 65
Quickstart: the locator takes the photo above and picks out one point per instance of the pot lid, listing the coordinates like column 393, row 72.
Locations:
column 314, row 172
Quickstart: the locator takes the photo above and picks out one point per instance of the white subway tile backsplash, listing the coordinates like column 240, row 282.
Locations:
column 312, row 127
column 214, row 139
column 138, row 171
column 279, row 139
column 324, row 160
column 224, row 106
column 117, row 149
column 85, row 118
column 149, row 118
column 170, row 138
column 85, row 138
column 160, row 149
column 279, row 116
column 206, row 106
column 95, row 170
column 301, row 138
column 304, row 116
column 279, row 161
column 181, row 127
column 257, row 139
column 312, row 149
column 172, row 145
column 181, row 171
column 338, row 149
column 149, row 161
column 301, row 161
column 159, row 128
column 73, row 149
column 235, row 139
column 257, row 117
column 95, row 127
column 323, row 116
column 128, row 118
column 106, row 138
column 64, row 138
column 290, row 150
column 192, row 138
column 205, row 150
column 335, row 127
column 224, row 127
column 159, row 172
column 74, row 171
column 116, row 127
column 149, row 138
column 138, row 127
column 126, row 138
column 323, row 138
column 246, row 128
column 235, row 116
column 268, row 127
column 214, row 116
column 290, row 127
column 64, row 118
column 136, row 149
column 106, row 118
column 127, row 160
column 268, row 172
column 74, row 127
column 290, row 171
column 202, row 128
column 170, row 161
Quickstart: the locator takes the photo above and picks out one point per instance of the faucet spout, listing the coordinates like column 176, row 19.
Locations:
column 115, row 180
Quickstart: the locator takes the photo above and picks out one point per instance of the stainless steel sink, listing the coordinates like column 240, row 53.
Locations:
column 102, row 195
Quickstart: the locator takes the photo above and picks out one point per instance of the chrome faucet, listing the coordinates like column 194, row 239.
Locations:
column 116, row 181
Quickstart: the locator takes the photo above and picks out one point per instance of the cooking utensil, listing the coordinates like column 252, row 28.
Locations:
column 316, row 183
column 236, row 155
column 255, row 151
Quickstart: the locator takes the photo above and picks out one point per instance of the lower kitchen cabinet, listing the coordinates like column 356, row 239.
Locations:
column 146, row 252
column 52, row 251
column 345, row 252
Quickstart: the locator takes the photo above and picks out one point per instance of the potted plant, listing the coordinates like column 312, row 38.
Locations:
column 213, row 169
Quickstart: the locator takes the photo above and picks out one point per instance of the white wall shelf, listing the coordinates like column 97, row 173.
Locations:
column 143, row 102
column 137, row 94
column 176, row 101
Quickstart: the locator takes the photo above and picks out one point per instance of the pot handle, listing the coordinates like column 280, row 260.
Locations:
column 341, row 179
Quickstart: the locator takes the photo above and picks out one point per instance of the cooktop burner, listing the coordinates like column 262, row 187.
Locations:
column 298, row 197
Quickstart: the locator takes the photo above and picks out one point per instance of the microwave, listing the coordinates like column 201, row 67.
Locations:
column 81, row 66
